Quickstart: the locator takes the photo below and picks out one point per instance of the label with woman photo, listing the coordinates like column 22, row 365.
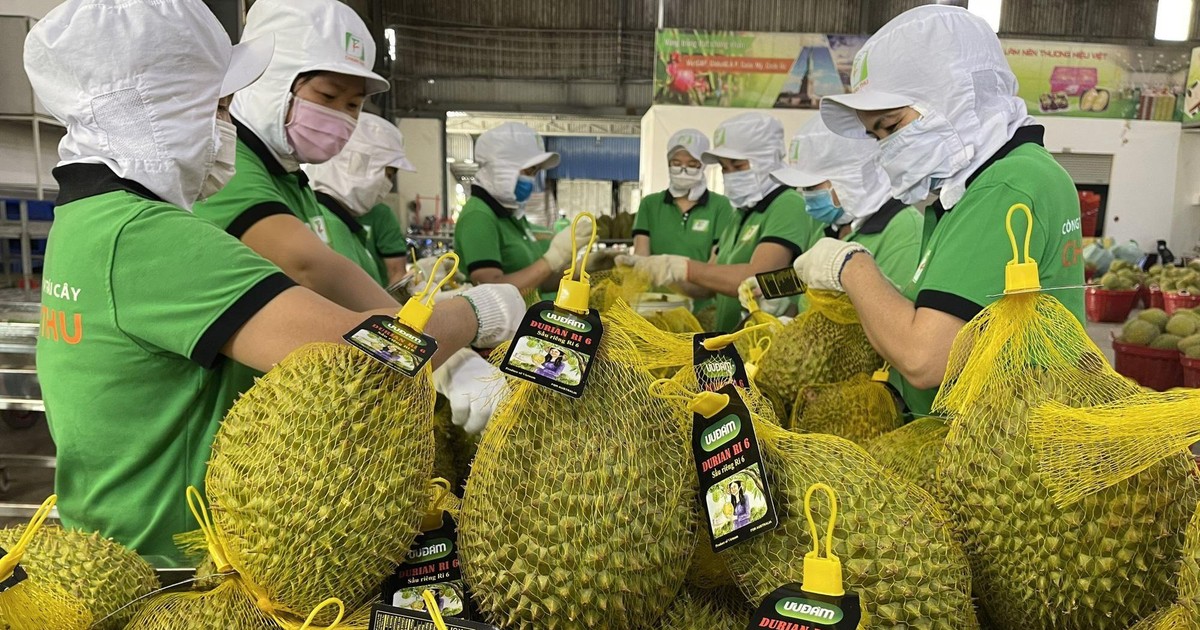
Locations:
column 554, row 348
column 734, row 490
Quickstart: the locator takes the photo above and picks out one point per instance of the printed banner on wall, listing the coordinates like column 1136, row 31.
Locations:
column 1191, row 92
column 794, row 70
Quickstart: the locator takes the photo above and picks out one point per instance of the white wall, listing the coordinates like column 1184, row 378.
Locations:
column 1185, row 227
column 423, row 146
column 32, row 8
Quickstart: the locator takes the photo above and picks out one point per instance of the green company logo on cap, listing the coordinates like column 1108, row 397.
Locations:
column 721, row 433
column 432, row 550
column 808, row 610
column 687, row 140
column 566, row 321
column 794, row 151
column 862, row 73
column 354, row 48
column 719, row 138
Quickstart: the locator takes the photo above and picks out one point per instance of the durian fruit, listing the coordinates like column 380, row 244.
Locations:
column 454, row 449
column 1182, row 325
column 824, row 344
column 893, row 540
column 320, row 476
column 91, row 569
column 707, row 317
column 1184, row 614
column 676, row 320
column 579, row 514
column 719, row 609
column 1166, row 341
column 911, row 452
column 1139, row 332
column 858, row 409
column 1192, row 352
column 1155, row 316
column 708, row 569
column 227, row 606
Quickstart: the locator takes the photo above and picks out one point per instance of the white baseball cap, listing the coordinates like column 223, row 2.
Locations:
column 747, row 137
column 249, row 60
column 691, row 140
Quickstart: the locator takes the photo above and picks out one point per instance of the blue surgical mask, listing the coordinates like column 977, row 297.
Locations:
column 524, row 188
column 819, row 205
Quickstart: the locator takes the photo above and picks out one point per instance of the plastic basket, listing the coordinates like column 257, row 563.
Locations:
column 1174, row 301
column 1191, row 372
column 1103, row 305
column 1159, row 370
column 1156, row 298
column 1144, row 295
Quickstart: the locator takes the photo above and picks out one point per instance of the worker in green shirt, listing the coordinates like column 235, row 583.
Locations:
column 562, row 222
column 146, row 306
column 768, row 230
column 493, row 238
column 948, row 122
column 353, row 184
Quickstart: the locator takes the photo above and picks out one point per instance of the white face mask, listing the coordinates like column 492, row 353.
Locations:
column 684, row 179
column 743, row 188
column 926, row 149
column 223, row 167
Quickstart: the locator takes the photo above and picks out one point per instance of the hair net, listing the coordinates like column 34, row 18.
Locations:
column 817, row 155
column 751, row 136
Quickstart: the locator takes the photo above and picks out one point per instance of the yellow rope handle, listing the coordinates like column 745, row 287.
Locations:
column 435, row 611
column 9, row 562
column 661, row 389
column 426, row 295
column 1012, row 238
column 576, row 260
column 332, row 601
column 215, row 548
column 720, row 341
column 760, row 349
column 812, row 524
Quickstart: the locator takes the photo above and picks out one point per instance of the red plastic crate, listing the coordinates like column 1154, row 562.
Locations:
column 1175, row 301
column 1103, row 305
column 1156, row 298
column 1191, row 372
column 1159, row 370
column 1144, row 295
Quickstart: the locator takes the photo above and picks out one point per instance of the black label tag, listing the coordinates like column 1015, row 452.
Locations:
column 432, row 564
column 395, row 345
column 392, row 618
column 780, row 283
column 790, row 608
column 734, row 494
column 717, row 368
column 554, row 348
column 18, row 575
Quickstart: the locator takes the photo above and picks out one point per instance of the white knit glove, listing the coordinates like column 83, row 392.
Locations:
column 499, row 309
column 424, row 268
column 749, row 291
column 561, row 246
column 821, row 266
column 472, row 385
column 664, row 270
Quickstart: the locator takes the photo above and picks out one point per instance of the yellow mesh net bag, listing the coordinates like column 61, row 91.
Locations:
column 824, row 344
column 1104, row 562
column 621, row 284
column 1185, row 613
column 893, row 540
column 676, row 320
column 911, row 452
column 39, row 601
column 579, row 513
column 858, row 409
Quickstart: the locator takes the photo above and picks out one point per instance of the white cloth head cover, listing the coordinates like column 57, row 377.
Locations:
column 357, row 176
column 310, row 35
column 695, row 143
column 751, row 136
column 818, row 155
column 137, row 82
column 946, row 60
column 504, row 151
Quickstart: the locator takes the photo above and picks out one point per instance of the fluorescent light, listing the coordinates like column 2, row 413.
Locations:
column 1174, row 23
column 989, row 10
column 456, row 114
column 390, row 35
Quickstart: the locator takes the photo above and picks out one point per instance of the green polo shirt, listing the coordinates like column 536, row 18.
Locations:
column 262, row 188
column 367, row 229
column 961, row 269
column 779, row 218
column 893, row 236
column 489, row 235
column 693, row 233
column 138, row 298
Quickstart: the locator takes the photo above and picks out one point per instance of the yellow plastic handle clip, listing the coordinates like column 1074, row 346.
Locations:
column 822, row 575
column 419, row 308
column 573, row 294
column 1020, row 277
column 215, row 548
column 435, row 611
column 441, row 500
column 707, row 404
column 9, row 562
column 883, row 374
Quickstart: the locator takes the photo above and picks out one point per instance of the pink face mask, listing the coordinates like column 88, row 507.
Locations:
column 317, row 133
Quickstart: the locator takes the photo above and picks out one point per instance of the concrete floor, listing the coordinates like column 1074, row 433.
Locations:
column 32, row 485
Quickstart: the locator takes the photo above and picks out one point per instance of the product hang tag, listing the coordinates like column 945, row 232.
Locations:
column 792, row 608
column 717, row 368
column 432, row 564
column 391, row 618
column 734, row 492
column 780, row 283
column 554, row 348
column 18, row 575
column 392, row 343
